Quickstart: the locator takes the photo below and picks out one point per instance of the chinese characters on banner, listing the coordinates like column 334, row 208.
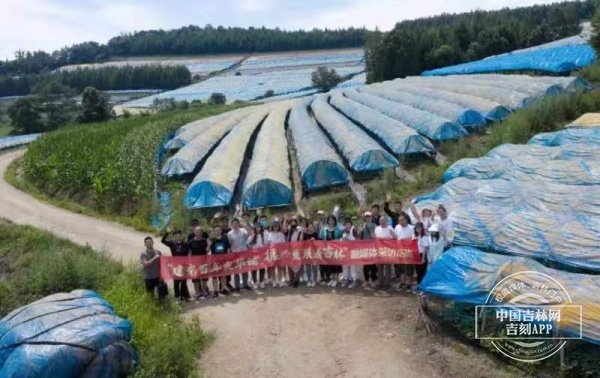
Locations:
column 359, row 252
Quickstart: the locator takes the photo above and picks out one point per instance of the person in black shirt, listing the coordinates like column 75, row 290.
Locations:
column 375, row 214
column 178, row 248
column 219, row 245
column 198, row 246
column 195, row 224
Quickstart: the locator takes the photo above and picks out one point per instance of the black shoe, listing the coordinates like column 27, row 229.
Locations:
column 215, row 295
column 296, row 283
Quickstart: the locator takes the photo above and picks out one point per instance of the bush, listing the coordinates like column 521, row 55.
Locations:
column 217, row 99
column 38, row 264
column 325, row 78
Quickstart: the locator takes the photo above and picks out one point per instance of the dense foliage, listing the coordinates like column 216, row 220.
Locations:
column 186, row 40
column 36, row 264
column 423, row 44
column 105, row 78
column 110, row 167
column 95, row 106
column 325, row 78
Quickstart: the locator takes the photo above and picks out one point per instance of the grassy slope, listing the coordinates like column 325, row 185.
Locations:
column 34, row 264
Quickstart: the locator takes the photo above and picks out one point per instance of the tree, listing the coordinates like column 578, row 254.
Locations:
column 596, row 24
column 25, row 115
column 325, row 78
column 57, row 100
column 217, row 99
column 95, row 106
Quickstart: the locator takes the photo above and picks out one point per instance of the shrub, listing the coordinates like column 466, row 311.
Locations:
column 217, row 99
column 325, row 78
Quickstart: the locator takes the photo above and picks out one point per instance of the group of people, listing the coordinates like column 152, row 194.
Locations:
column 434, row 234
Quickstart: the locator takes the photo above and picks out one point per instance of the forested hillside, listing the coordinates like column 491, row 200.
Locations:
column 106, row 78
column 183, row 41
column 423, row 44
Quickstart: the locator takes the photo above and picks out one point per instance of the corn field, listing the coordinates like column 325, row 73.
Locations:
column 109, row 166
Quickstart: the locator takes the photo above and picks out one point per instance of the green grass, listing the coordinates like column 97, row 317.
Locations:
column 5, row 129
column 34, row 264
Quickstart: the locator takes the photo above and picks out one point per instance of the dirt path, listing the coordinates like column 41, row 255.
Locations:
column 320, row 332
column 119, row 241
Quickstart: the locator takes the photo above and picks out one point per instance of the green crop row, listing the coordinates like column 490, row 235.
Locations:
column 110, row 167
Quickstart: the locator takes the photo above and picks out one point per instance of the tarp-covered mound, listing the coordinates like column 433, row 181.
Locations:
column 66, row 335
column 568, row 136
column 574, row 54
column 18, row 140
column 575, row 171
column 468, row 275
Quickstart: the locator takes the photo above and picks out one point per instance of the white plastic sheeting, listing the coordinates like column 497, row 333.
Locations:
column 268, row 183
column 320, row 166
column 430, row 125
column 215, row 184
column 399, row 138
column 187, row 159
column 188, row 132
column 462, row 116
column 361, row 152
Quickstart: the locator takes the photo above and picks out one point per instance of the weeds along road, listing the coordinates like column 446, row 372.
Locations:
column 320, row 332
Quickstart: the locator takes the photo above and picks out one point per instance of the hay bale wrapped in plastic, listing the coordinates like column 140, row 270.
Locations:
column 65, row 335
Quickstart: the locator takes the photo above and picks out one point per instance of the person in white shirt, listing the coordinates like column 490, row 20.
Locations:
column 349, row 274
column 426, row 216
column 237, row 239
column 446, row 226
column 276, row 236
column 405, row 231
column 259, row 238
column 423, row 244
column 384, row 231
column 436, row 244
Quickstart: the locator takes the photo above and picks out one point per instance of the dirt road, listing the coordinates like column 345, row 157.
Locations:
column 119, row 241
column 320, row 332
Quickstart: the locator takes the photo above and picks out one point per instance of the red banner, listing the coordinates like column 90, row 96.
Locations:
column 359, row 252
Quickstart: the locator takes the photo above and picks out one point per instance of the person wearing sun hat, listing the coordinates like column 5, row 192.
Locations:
column 436, row 244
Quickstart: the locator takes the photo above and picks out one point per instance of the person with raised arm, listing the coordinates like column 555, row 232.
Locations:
column 178, row 248
column 384, row 231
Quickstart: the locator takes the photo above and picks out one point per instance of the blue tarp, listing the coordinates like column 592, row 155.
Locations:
column 66, row 336
column 430, row 125
column 489, row 109
column 568, row 136
column 320, row 166
column 462, row 116
column 268, row 183
column 361, row 152
column 398, row 137
column 555, row 60
column 214, row 185
column 575, row 171
column 17, row 140
column 468, row 275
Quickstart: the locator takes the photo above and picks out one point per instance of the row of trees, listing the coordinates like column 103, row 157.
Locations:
column 106, row 78
column 423, row 44
column 185, row 40
column 53, row 106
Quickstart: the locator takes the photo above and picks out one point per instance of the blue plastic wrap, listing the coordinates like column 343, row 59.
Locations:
column 558, row 59
column 575, row 171
column 398, row 137
column 320, row 166
column 468, row 275
column 17, row 140
column 361, row 152
column 462, row 116
column 66, row 335
column 568, row 136
column 430, row 125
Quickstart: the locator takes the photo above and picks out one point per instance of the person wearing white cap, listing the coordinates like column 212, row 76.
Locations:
column 367, row 232
column 384, row 231
column 436, row 244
